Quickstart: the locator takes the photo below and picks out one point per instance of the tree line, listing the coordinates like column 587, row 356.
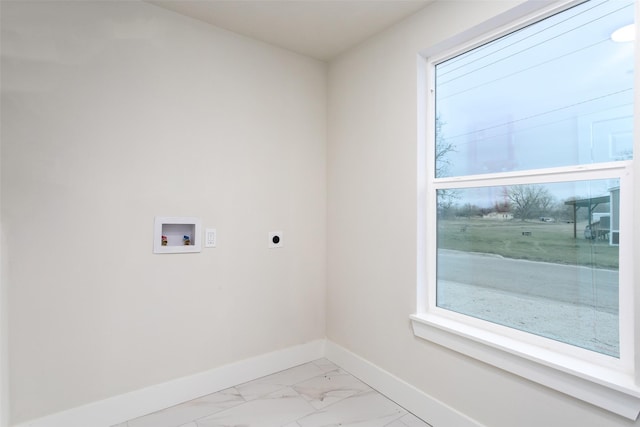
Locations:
column 522, row 202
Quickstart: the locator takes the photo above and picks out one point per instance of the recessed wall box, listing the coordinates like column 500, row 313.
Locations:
column 176, row 234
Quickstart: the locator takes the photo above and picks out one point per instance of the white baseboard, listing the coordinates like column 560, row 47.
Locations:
column 404, row 394
column 121, row 408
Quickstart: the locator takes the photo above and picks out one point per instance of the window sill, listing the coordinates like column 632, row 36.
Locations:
column 603, row 387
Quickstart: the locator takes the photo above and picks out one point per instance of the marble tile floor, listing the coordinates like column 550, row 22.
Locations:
column 315, row 394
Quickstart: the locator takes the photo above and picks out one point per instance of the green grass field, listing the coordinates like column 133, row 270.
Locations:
column 546, row 241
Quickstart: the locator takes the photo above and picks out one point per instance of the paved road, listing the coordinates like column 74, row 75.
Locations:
column 597, row 288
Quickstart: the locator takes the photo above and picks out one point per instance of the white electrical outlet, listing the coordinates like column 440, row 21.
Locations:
column 210, row 238
column 275, row 239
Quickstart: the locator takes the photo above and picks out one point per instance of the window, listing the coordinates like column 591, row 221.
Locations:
column 528, row 197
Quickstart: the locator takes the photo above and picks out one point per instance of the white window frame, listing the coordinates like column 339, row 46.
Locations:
column 607, row 382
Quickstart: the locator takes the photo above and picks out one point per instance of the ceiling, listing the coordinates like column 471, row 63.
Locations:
column 320, row 29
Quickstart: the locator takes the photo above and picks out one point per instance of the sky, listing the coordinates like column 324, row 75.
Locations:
column 556, row 93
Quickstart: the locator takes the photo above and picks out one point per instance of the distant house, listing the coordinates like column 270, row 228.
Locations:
column 504, row 216
column 598, row 221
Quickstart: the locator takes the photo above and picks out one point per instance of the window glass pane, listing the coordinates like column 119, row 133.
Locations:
column 556, row 93
column 540, row 258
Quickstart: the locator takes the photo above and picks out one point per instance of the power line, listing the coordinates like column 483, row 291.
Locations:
column 542, row 113
column 526, row 129
column 523, row 70
column 529, row 47
column 521, row 130
column 470, row 53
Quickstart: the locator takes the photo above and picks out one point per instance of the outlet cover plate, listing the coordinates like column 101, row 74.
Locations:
column 210, row 238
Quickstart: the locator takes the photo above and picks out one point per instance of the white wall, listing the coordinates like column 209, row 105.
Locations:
column 4, row 330
column 112, row 113
column 372, row 175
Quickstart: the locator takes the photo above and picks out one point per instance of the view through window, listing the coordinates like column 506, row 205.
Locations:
column 533, row 132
